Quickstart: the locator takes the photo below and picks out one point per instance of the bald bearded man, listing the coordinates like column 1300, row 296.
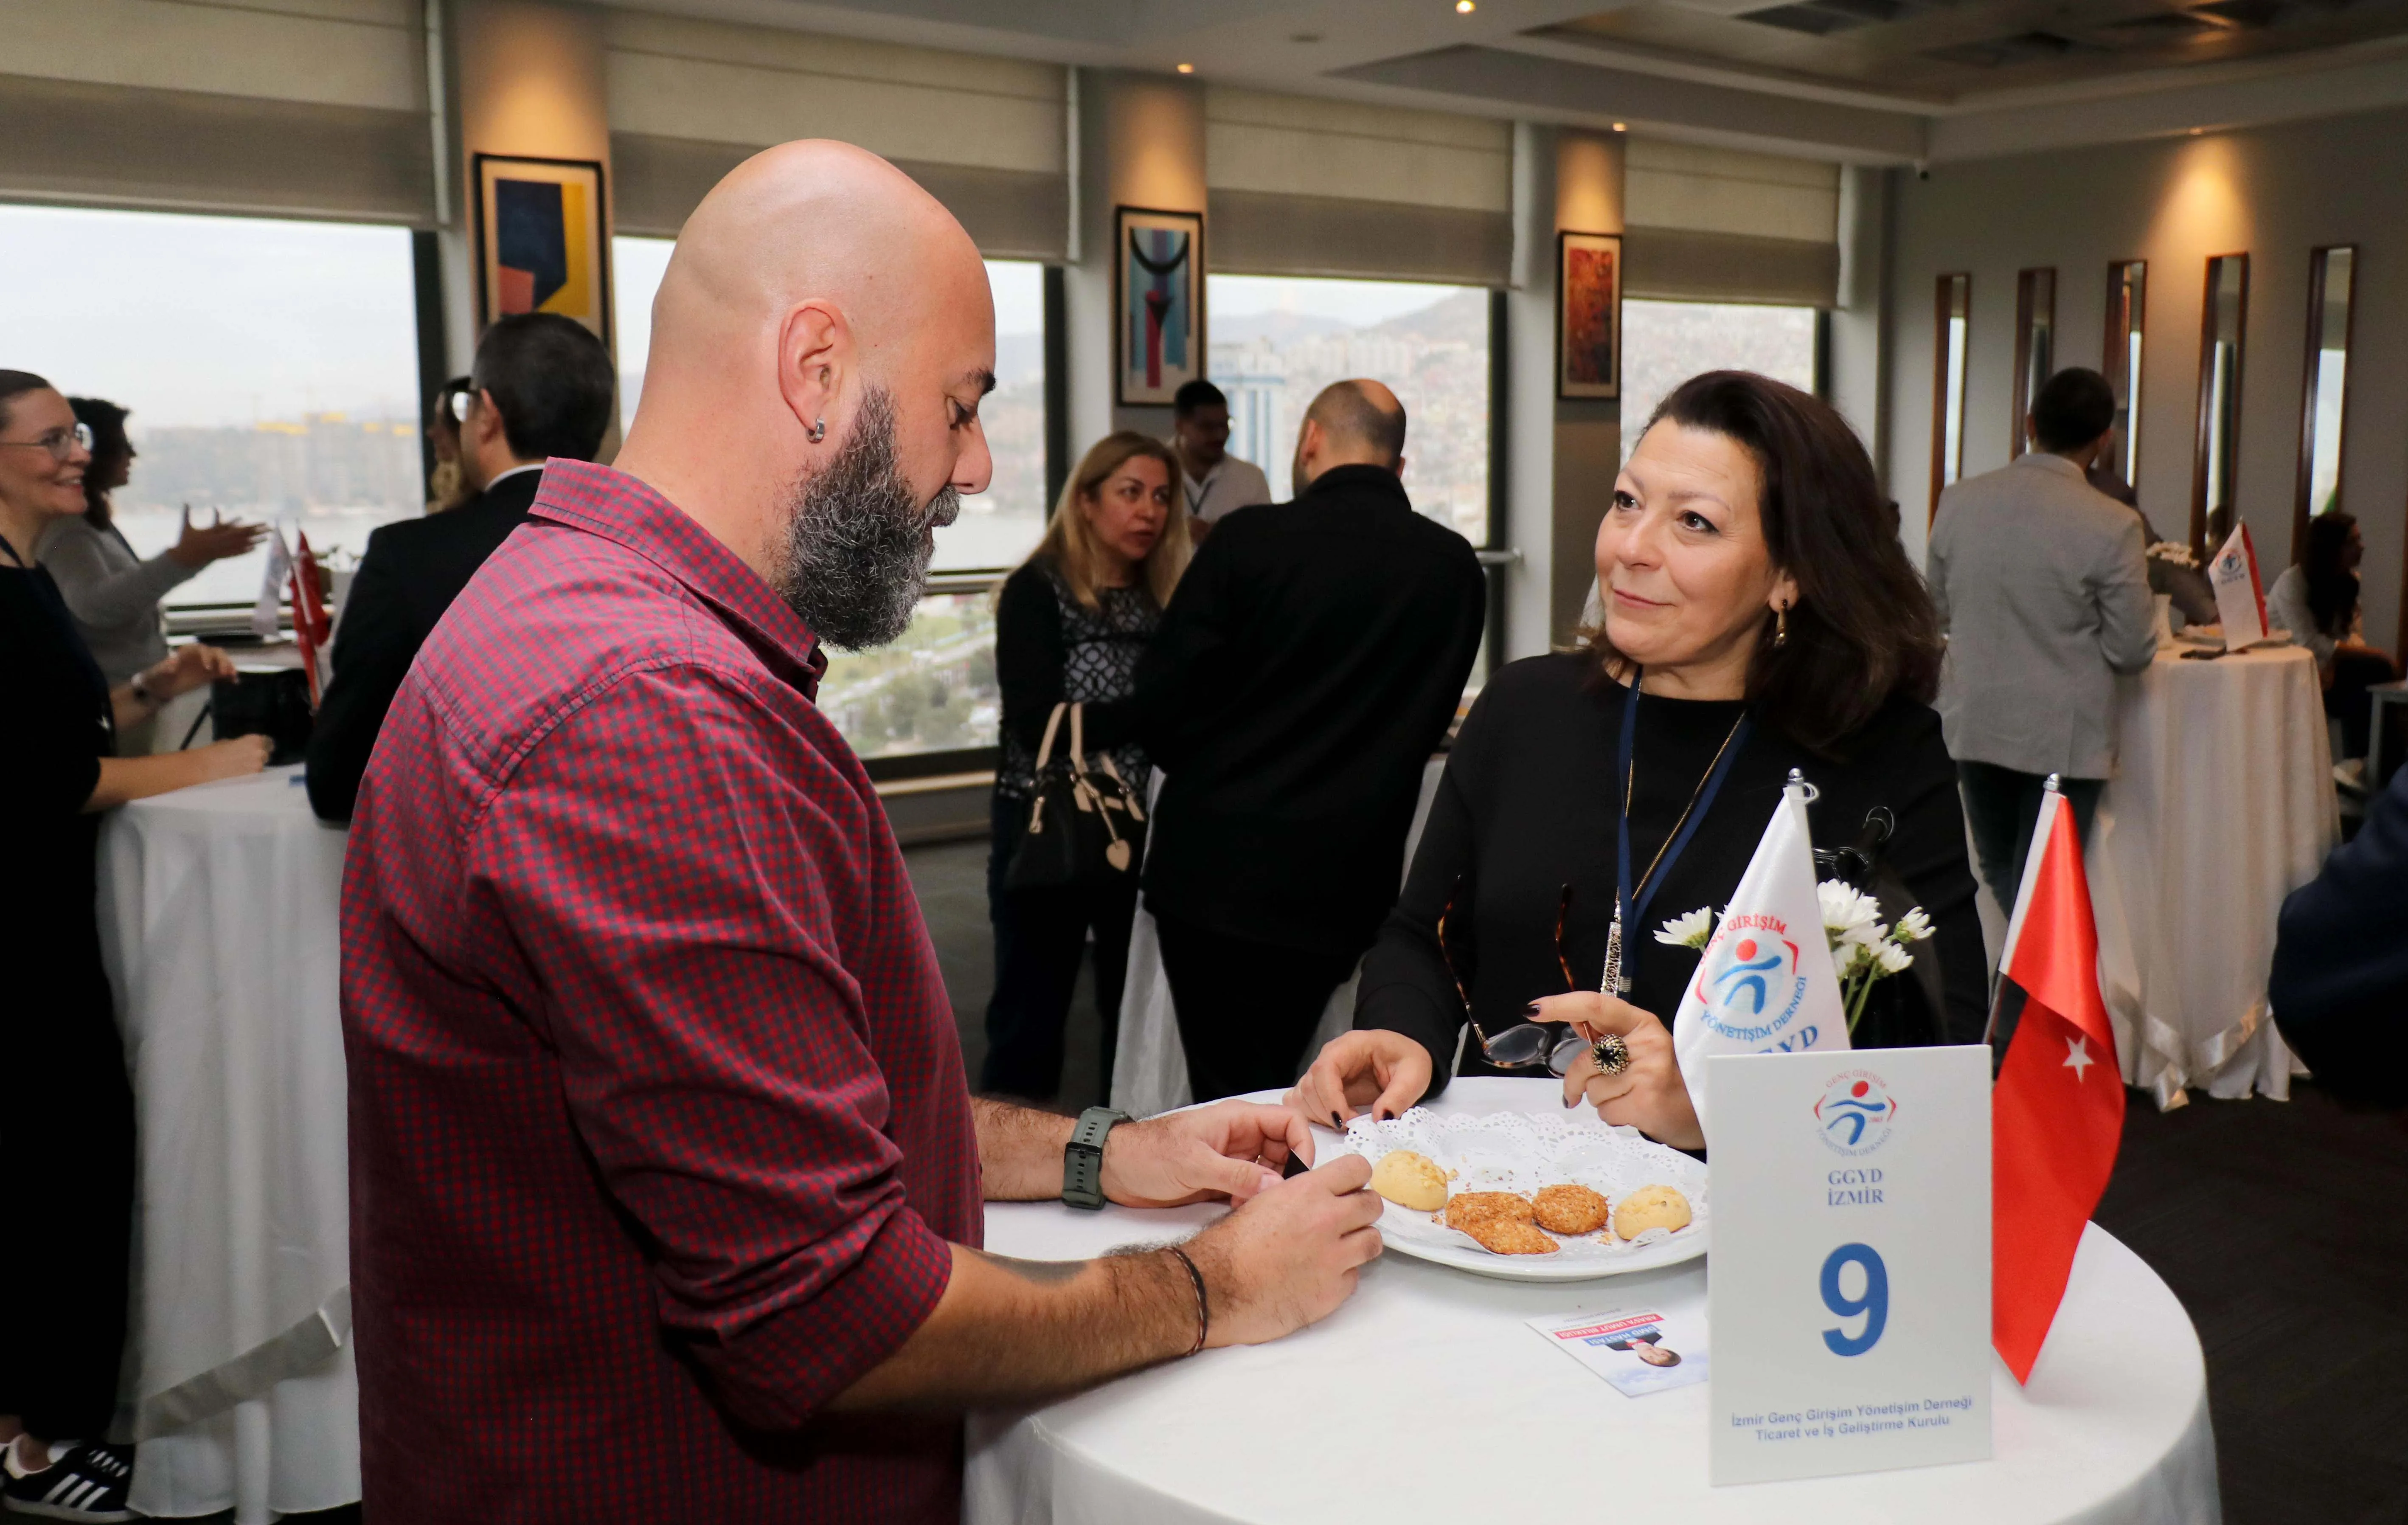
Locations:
column 666, row 1185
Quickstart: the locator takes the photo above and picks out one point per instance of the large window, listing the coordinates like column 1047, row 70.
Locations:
column 271, row 367
column 1276, row 341
column 1665, row 343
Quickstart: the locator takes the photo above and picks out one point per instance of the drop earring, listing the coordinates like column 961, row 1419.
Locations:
column 818, row 430
column 1780, row 626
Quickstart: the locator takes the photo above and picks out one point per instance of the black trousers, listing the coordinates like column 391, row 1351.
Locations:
column 1246, row 1009
column 2346, row 700
column 66, row 1133
column 2003, row 806
column 1040, row 937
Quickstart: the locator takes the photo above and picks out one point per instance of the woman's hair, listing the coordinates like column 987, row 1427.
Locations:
column 15, row 385
column 1863, row 629
column 1069, row 542
column 106, row 422
column 2333, row 587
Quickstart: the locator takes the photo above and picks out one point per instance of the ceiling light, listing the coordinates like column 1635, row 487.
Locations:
column 1306, row 36
column 1187, row 68
column 2196, row 131
column 1465, row 7
column 1622, row 126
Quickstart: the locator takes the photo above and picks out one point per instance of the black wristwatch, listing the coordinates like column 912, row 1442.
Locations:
column 1082, row 1157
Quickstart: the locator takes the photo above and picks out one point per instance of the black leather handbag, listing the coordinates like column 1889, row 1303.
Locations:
column 1906, row 1012
column 1086, row 826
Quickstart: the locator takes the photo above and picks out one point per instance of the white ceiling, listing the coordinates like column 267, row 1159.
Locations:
column 1872, row 81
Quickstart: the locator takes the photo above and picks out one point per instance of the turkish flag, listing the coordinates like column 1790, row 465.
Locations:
column 2056, row 1114
column 310, row 624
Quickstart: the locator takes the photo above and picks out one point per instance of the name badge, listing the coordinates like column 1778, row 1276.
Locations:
column 1849, row 1286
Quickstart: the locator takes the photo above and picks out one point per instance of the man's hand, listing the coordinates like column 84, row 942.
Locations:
column 1383, row 1071
column 1291, row 1256
column 1236, row 1149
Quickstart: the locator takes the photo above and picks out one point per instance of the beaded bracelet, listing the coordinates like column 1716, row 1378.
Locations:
column 1203, row 1309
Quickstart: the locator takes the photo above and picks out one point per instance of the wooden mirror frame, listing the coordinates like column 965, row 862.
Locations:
column 2311, row 379
column 2116, row 357
column 1952, row 299
column 2035, row 319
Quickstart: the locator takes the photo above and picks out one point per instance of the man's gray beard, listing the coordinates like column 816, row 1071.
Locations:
column 855, row 561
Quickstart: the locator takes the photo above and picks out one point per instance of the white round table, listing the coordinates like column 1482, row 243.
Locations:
column 1424, row 1398
column 218, row 917
column 2222, row 804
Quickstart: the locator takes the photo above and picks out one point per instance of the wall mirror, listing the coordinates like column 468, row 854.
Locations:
column 2332, row 275
column 2128, row 294
column 2035, row 346
column 2223, row 315
column 1952, row 317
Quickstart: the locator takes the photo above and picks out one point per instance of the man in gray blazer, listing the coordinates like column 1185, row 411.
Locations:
column 2043, row 589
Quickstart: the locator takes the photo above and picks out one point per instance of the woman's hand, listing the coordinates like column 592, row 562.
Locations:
column 1649, row 1095
column 1386, row 1070
column 187, row 668
column 200, row 544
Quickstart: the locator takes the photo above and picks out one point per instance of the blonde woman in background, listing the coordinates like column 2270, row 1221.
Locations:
column 1070, row 626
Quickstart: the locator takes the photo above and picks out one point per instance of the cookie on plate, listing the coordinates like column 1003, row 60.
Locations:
column 1466, row 1208
column 1569, row 1209
column 1410, row 1180
column 1650, row 1207
column 1511, row 1236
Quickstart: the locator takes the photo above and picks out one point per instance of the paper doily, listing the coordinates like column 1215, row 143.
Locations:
column 1514, row 1150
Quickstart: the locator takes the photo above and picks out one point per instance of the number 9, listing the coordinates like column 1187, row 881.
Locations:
column 1874, row 1305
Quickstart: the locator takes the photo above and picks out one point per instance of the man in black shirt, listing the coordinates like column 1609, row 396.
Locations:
column 1304, row 672
column 541, row 387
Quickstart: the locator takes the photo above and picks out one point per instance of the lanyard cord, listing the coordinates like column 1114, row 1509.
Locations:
column 1632, row 900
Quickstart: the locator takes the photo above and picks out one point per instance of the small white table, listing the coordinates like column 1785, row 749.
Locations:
column 218, row 917
column 1424, row 1400
column 2222, row 804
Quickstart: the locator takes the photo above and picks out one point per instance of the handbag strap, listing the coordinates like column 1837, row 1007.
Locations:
column 1078, row 740
column 1045, row 747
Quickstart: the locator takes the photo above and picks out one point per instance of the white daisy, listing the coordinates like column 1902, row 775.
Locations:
column 1913, row 927
column 1689, row 932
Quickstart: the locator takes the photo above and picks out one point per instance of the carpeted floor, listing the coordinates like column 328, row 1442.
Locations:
column 2281, row 1226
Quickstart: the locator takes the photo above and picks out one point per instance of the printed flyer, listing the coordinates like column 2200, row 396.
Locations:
column 1639, row 1349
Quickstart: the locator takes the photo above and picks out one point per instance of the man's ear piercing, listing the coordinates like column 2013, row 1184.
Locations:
column 818, row 430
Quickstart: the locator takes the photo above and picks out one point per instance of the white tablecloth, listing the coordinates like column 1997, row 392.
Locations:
column 1424, row 1398
column 218, row 917
column 2222, row 803
column 1149, row 1068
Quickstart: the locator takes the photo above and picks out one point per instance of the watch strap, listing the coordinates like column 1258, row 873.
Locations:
column 1082, row 1157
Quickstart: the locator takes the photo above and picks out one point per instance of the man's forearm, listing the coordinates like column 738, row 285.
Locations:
column 1014, row 1332
column 1020, row 1149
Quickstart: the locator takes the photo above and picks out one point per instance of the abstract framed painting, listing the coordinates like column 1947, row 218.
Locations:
column 1158, row 339
column 539, row 241
column 1588, row 317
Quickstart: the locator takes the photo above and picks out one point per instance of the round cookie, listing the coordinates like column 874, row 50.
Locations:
column 1410, row 1180
column 1569, row 1210
column 1466, row 1208
column 1650, row 1207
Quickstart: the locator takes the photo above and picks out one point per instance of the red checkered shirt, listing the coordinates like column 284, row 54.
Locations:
column 658, row 1124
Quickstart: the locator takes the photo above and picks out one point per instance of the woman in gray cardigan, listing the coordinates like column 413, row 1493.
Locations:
column 113, row 593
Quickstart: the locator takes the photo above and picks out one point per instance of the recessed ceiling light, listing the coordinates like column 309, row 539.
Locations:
column 1622, row 126
column 1465, row 7
column 2196, row 131
column 1305, row 36
column 1187, row 68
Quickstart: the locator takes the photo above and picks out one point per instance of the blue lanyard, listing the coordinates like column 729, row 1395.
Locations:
column 1630, row 910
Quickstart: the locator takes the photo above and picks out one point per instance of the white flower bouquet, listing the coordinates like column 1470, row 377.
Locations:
column 1863, row 949
column 2174, row 551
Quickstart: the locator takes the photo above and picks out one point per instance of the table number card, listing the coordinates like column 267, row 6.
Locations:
column 1849, row 1287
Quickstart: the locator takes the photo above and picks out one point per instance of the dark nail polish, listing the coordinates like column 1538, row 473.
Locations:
column 1571, row 1101
column 1337, row 1122
column 1531, row 1010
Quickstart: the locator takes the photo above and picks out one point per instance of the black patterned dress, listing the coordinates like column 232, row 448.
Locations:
column 1051, row 649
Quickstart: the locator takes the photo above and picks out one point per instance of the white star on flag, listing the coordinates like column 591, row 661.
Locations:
column 2077, row 1056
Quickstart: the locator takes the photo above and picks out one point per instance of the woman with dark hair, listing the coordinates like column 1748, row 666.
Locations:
column 1759, row 615
column 2317, row 603
column 66, row 1113
column 113, row 593
column 1070, row 626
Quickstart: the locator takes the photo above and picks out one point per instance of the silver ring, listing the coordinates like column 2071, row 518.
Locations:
column 1609, row 1054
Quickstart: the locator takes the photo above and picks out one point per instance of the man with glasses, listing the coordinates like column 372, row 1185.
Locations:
column 541, row 387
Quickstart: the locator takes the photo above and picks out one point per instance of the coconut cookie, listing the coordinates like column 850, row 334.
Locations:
column 1569, row 1210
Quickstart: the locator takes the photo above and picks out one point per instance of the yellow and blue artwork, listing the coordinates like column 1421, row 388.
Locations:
column 541, row 246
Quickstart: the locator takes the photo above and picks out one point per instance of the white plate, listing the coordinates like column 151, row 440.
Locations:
column 1517, row 1151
